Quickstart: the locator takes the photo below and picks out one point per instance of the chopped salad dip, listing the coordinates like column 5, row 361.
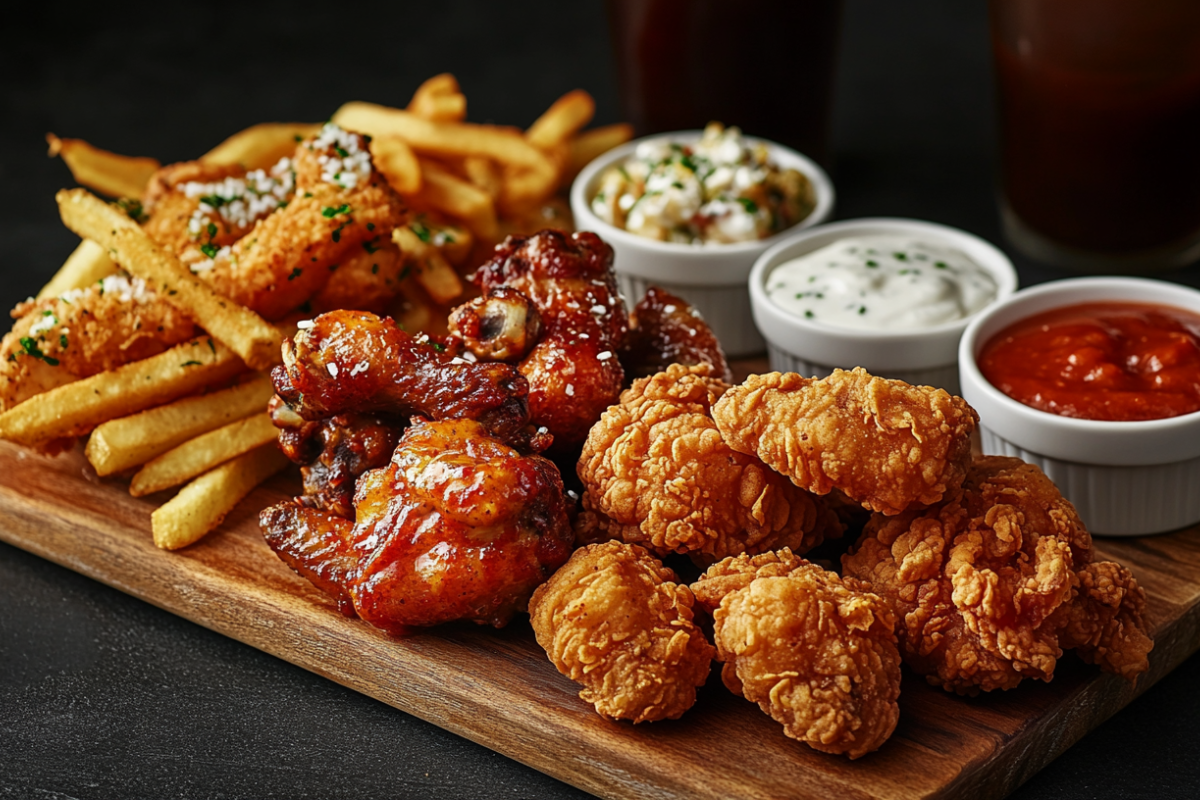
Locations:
column 719, row 190
column 881, row 283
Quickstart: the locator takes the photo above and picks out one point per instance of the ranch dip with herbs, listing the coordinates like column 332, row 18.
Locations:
column 881, row 283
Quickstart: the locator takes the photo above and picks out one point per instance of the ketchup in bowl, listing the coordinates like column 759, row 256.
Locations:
column 1100, row 361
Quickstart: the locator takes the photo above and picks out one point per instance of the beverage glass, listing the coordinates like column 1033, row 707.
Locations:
column 1099, row 110
column 765, row 66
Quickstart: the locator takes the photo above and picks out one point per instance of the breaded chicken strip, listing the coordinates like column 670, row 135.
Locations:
column 656, row 472
column 991, row 584
column 340, row 204
column 83, row 332
column 816, row 655
column 884, row 443
column 615, row 620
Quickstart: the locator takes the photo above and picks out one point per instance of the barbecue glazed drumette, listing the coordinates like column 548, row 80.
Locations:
column 665, row 329
column 573, row 369
column 459, row 526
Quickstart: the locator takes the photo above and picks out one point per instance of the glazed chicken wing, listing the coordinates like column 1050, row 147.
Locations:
column 458, row 526
column 884, row 443
column 991, row 584
column 656, row 472
column 573, row 369
column 617, row 621
column 665, row 330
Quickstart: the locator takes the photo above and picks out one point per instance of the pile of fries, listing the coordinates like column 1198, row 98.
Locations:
column 195, row 415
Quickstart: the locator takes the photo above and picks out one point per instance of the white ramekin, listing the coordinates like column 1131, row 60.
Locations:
column 927, row 357
column 1124, row 478
column 711, row 277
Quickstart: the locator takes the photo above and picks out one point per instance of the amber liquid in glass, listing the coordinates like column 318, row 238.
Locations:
column 763, row 65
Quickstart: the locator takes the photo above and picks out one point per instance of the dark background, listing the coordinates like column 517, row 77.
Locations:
column 103, row 696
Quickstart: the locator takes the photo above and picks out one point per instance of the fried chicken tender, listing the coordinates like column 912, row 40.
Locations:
column 656, row 472
column 665, row 329
column 994, row 582
column 366, row 280
column 884, row 443
column 817, row 655
column 615, row 620
column 83, row 332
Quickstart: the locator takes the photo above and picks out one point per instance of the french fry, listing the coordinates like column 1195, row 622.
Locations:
column 589, row 144
column 438, row 85
column 87, row 264
column 415, row 313
column 438, row 277
column 77, row 407
column 119, row 444
column 447, row 139
column 562, row 120
column 261, row 146
column 398, row 163
column 199, row 455
column 484, row 173
column 107, row 173
column 202, row 504
column 450, row 194
column 453, row 241
column 439, row 98
column 243, row 331
column 526, row 187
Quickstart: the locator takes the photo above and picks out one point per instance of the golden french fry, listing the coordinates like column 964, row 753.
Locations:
column 450, row 194
column 261, row 146
column 439, row 278
column 484, row 173
column 439, row 98
column 78, row 407
column 454, row 241
column 199, row 455
column 87, row 264
column 247, row 334
column 107, row 173
column 415, row 311
column 525, row 188
column 438, row 85
column 398, row 163
column 589, row 144
column 449, row 139
column 562, row 120
column 202, row 504
column 119, row 444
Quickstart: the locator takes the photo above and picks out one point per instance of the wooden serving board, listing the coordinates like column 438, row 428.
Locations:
column 498, row 689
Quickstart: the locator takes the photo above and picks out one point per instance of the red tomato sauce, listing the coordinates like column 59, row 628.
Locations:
column 1104, row 361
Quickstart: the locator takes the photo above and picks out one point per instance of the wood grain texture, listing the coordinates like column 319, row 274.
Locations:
column 497, row 687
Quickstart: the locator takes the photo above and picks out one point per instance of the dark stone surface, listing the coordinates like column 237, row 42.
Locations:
column 103, row 696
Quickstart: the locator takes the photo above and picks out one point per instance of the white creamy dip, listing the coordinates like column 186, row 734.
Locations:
column 881, row 283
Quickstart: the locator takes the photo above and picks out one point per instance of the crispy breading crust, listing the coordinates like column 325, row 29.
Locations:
column 614, row 620
column 884, row 443
column 994, row 582
column 817, row 656
column 656, row 472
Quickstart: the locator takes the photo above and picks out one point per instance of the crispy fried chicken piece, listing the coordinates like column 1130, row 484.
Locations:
column 83, row 332
column 340, row 202
column 458, row 526
column 615, row 620
column 353, row 361
column 368, row 279
column 502, row 325
column 663, row 330
column 573, row 370
column 334, row 451
column 884, row 443
column 656, row 472
column 815, row 654
column 991, row 584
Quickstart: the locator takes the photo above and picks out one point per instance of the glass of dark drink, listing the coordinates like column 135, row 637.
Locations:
column 1099, row 106
column 765, row 66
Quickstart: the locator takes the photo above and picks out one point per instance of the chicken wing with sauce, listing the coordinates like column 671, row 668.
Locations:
column 665, row 330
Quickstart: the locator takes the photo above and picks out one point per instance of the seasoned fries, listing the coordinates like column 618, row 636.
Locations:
column 562, row 120
column 398, row 163
column 260, row 146
column 202, row 504
column 239, row 328
column 201, row 454
column 126, row 442
column 78, row 407
column 588, row 145
column 439, row 99
column 107, row 173
column 87, row 264
column 451, row 195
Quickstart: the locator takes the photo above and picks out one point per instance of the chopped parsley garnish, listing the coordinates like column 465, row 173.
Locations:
column 374, row 269
column 872, row 264
column 191, row 364
column 308, row 194
column 330, row 212
column 214, row 200
column 862, row 309
column 941, row 265
column 439, row 347
column 421, row 231
column 403, row 273
column 900, row 256
column 211, row 230
column 133, row 209
column 748, row 204
column 809, row 314
column 370, row 226
column 297, row 137
column 337, row 233
column 212, row 347
column 341, row 151
column 333, row 267
column 30, row 347
column 369, row 246
column 688, row 162
column 296, row 273
column 210, row 250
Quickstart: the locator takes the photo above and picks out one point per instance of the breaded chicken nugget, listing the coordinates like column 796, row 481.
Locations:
column 656, row 472
column 614, row 620
column 993, row 583
column 818, row 657
column 886, row 444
